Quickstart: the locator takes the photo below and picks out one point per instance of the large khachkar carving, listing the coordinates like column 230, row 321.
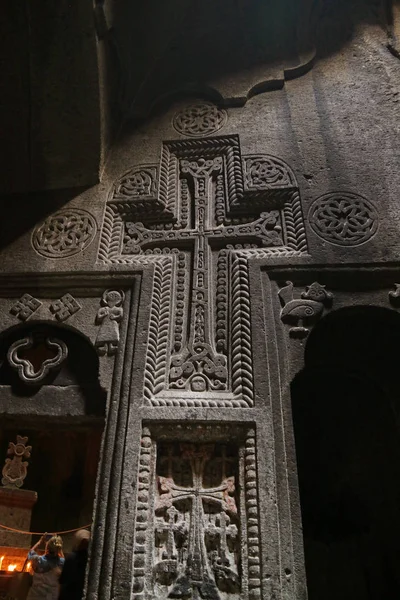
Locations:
column 197, row 531
column 197, row 219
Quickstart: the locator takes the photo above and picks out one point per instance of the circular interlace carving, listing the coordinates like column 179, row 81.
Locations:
column 64, row 233
column 199, row 119
column 343, row 218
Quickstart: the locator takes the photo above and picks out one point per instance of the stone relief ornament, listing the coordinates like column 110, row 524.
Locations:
column 15, row 469
column 208, row 218
column 394, row 295
column 202, row 531
column 25, row 307
column 304, row 310
column 343, row 218
column 109, row 316
column 206, row 542
column 261, row 171
column 34, row 358
column 200, row 119
column 137, row 183
column 64, row 233
column 65, row 307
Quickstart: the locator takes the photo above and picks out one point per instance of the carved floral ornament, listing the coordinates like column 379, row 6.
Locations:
column 343, row 218
column 65, row 233
column 212, row 211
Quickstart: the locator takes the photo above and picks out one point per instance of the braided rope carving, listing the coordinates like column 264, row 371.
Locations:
column 242, row 369
column 253, row 527
column 294, row 222
column 157, row 346
column 112, row 234
column 142, row 516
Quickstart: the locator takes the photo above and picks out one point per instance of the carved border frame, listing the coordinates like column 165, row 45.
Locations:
column 249, row 505
column 284, row 358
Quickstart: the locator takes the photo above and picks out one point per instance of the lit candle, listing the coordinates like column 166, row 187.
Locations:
column 1, row 561
column 11, row 567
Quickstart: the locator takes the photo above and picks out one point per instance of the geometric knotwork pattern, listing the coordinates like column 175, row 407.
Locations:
column 202, row 118
column 343, row 218
column 64, row 233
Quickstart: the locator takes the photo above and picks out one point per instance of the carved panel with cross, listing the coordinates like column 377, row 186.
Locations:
column 198, row 218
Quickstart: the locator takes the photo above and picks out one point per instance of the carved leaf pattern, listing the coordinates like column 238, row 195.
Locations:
column 157, row 346
column 242, row 369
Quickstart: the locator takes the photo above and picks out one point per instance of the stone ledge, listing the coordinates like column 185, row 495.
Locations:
column 17, row 498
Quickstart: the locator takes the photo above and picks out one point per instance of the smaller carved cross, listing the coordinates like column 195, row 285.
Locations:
column 197, row 577
column 169, row 528
column 15, row 468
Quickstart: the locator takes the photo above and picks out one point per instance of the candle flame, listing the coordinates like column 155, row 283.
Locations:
column 28, row 565
column 11, row 567
column 1, row 561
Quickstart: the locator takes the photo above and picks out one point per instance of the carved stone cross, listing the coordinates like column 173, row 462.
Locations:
column 198, row 573
column 211, row 213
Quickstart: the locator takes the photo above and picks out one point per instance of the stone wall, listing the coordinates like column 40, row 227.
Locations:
column 198, row 267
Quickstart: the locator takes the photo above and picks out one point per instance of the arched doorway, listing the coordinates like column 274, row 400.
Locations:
column 346, row 410
column 51, row 398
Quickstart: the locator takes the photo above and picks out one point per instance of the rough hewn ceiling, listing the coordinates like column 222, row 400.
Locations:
column 72, row 73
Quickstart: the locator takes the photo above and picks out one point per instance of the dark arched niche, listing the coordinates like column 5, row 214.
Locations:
column 69, row 388
column 61, row 414
column 345, row 414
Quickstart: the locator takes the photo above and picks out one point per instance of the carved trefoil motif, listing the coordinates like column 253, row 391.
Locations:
column 201, row 538
column 212, row 212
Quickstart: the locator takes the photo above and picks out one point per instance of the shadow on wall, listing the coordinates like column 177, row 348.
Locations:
column 21, row 212
column 346, row 423
column 209, row 42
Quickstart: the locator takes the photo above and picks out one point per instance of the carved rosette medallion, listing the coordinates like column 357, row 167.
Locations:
column 197, row 529
column 199, row 119
column 343, row 218
column 210, row 213
column 64, row 233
